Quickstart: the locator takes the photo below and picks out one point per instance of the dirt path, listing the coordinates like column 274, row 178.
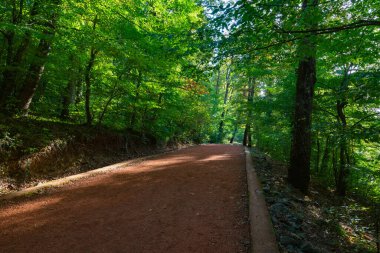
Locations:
column 193, row 200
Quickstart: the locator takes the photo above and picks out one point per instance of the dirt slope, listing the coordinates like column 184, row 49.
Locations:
column 193, row 200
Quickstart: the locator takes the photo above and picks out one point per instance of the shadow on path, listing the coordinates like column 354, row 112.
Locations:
column 193, row 200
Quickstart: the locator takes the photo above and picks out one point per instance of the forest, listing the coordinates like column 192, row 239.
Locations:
column 299, row 80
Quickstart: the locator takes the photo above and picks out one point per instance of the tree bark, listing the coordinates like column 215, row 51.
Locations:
column 344, row 161
column 109, row 100
column 12, row 72
column 247, row 132
column 234, row 133
column 300, row 154
column 37, row 67
column 68, row 98
column 135, row 100
column 7, row 88
column 341, row 181
column 226, row 93
column 377, row 226
column 317, row 155
column 325, row 156
column 247, row 139
column 34, row 76
column 87, row 79
column 217, row 84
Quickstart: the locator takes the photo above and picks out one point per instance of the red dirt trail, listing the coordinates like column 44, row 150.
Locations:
column 192, row 200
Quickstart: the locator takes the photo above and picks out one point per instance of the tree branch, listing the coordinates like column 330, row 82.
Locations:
column 313, row 32
column 3, row 33
column 277, row 43
column 354, row 25
column 325, row 110
column 364, row 118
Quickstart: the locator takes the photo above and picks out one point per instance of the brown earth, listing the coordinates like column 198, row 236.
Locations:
column 193, row 200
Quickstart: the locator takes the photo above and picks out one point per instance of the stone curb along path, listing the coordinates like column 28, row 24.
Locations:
column 263, row 239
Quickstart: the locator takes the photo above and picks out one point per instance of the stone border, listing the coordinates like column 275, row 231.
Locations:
column 263, row 239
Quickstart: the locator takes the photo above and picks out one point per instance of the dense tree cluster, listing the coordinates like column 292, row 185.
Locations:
column 315, row 71
column 123, row 64
column 298, row 79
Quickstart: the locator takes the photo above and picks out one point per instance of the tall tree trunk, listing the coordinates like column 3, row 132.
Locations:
column 37, row 67
column 33, row 76
column 221, row 128
column 377, row 226
column 68, row 98
column 341, row 180
column 334, row 164
column 109, row 100
column 6, row 87
column 344, row 161
column 317, row 155
column 217, row 84
column 217, row 90
column 234, row 132
column 226, row 93
column 78, row 92
column 12, row 72
column 250, row 138
column 325, row 157
column 2, row 50
column 300, row 154
column 72, row 90
column 87, row 79
column 247, row 132
column 247, row 139
column 135, row 100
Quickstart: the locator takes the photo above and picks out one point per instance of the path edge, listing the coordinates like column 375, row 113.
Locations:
column 263, row 239
column 41, row 188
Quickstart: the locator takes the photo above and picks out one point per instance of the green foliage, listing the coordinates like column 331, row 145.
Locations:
column 264, row 38
column 183, row 71
column 146, row 54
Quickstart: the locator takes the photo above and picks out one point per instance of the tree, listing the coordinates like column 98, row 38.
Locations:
column 299, row 166
column 247, row 139
column 248, row 30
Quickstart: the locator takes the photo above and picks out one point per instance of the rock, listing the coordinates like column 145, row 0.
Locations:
column 292, row 249
column 270, row 200
column 293, row 220
column 292, row 228
column 307, row 247
column 289, row 241
column 11, row 187
column 279, row 209
column 284, row 201
column 266, row 188
column 298, row 236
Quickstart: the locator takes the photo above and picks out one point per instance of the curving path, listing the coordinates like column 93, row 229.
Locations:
column 193, row 200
